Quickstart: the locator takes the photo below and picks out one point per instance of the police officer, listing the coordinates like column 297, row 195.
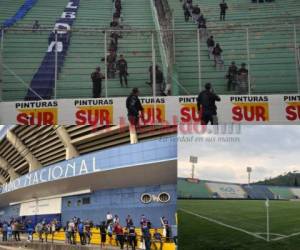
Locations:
column 232, row 76
column 123, row 73
column 206, row 105
column 134, row 107
column 97, row 77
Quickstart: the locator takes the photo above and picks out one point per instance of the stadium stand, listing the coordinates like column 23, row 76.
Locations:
column 271, row 64
column 8, row 9
column 23, row 51
column 203, row 189
column 282, row 193
column 258, row 192
column 225, row 190
column 192, row 189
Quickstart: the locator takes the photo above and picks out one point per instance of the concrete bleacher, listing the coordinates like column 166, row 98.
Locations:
column 86, row 50
column 258, row 192
column 22, row 59
column 282, row 193
column 227, row 190
column 189, row 189
column 272, row 57
column 8, row 8
column 23, row 51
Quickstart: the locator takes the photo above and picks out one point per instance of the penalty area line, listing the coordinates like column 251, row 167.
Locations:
column 223, row 224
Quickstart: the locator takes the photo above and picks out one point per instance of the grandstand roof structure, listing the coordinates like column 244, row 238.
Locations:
column 24, row 149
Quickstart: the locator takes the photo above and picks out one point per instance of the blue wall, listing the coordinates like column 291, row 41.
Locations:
column 122, row 202
column 9, row 212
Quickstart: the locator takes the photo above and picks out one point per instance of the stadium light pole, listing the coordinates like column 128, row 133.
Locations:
column 193, row 160
column 249, row 170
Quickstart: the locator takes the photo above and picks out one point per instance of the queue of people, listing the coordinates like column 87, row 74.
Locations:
column 110, row 227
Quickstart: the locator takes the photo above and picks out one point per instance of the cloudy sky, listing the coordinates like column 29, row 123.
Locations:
column 269, row 150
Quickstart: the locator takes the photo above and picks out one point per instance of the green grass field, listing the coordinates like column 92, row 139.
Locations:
column 237, row 225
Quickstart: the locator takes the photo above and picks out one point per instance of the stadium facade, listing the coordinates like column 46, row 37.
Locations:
column 66, row 171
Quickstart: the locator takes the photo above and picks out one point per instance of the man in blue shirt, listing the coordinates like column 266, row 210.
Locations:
column 4, row 231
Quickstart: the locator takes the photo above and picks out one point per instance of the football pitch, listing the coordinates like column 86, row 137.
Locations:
column 238, row 224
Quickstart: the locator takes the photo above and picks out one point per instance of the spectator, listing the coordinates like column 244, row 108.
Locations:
column 202, row 26
column 160, row 81
column 210, row 45
column 116, row 219
column 109, row 218
column 88, row 233
column 217, row 52
column 80, row 229
column 123, row 70
column 206, row 105
column 97, row 78
column 53, row 229
column 132, row 236
column 157, row 238
column 30, row 230
column 110, row 232
column 186, row 11
column 146, row 235
column 4, row 231
column 39, row 231
column 232, row 76
column 134, row 107
column 243, row 79
column 196, row 12
column 223, row 9
column 167, row 228
column 36, row 26
column 103, row 234
column 118, row 230
column 129, row 221
column 9, row 232
column 72, row 232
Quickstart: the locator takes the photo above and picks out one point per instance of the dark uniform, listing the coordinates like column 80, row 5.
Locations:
column 97, row 77
column 133, row 106
column 122, row 67
column 132, row 237
column 206, row 100
column 232, row 77
column 223, row 8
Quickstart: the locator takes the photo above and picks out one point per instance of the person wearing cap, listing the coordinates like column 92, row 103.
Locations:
column 97, row 77
column 243, row 79
column 123, row 70
column 232, row 76
column 134, row 107
column 206, row 104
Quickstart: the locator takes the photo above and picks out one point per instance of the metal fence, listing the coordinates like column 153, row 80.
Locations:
column 271, row 55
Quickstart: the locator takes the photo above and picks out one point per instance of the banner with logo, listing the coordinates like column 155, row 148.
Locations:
column 256, row 109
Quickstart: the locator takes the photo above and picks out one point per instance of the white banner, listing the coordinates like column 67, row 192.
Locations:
column 40, row 206
column 254, row 109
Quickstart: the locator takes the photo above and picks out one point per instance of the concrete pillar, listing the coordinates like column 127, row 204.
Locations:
column 34, row 164
column 133, row 134
column 2, row 180
column 7, row 167
column 71, row 151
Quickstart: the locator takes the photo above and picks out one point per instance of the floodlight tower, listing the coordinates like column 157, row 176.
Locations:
column 249, row 170
column 193, row 160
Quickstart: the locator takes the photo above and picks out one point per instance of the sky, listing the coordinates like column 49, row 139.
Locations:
column 268, row 150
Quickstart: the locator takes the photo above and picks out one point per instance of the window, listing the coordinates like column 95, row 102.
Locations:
column 78, row 203
column 69, row 203
column 146, row 198
column 86, row 201
column 164, row 197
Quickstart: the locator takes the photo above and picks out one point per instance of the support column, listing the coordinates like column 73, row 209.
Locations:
column 71, row 151
column 34, row 164
column 8, row 168
column 2, row 180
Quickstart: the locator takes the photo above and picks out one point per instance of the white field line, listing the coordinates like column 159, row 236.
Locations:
column 285, row 237
column 224, row 225
column 281, row 235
